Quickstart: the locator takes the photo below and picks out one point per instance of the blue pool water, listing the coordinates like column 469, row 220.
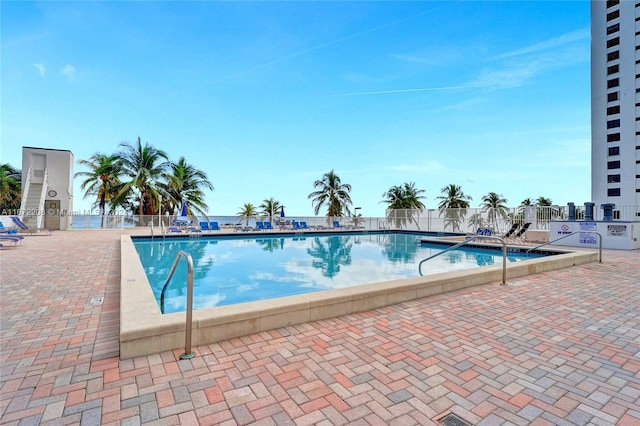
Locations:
column 229, row 270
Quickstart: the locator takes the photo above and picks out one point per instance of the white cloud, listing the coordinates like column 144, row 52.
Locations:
column 510, row 76
column 69, row 71
column 520, row 66
column 563, row 39
column 41, row 69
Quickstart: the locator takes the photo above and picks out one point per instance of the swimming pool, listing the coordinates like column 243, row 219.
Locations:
column 145, row 330
column 229, row 270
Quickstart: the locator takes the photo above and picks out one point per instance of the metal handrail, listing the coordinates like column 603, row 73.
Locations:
column 568, row 235
column 188, row 353
column 504, row 254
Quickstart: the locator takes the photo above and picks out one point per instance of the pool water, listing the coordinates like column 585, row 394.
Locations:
column 229, row 270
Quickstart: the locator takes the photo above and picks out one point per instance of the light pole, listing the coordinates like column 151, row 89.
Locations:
column 159, row 209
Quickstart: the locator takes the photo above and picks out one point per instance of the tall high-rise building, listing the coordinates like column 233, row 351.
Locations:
column 615, row 104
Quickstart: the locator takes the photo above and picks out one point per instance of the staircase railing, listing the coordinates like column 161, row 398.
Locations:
column 43, row 193
column 25, row 193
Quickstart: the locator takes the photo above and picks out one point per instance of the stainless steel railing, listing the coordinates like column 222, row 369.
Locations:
column 468, row 240
column 188, row 353
column 567, row 236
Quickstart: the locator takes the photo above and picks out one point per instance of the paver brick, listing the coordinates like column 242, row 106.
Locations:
column 561, row 348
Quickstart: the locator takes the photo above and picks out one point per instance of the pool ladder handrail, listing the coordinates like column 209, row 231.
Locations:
column 567, row 236
column 468, row 240
column 188, row 353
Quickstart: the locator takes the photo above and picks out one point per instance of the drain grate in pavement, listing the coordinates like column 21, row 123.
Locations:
column 453, row 420
column 96, row 301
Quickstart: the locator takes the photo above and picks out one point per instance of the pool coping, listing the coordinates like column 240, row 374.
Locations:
column 145, row 331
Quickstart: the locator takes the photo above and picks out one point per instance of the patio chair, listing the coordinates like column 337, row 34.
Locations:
column 12, row 235
column 174, row 229
column 8, row 231
column 521, row 234
column 511, row 230
column 214, row 226
column 13, row 239
column 268, row 226
column 303, row 225
column 24, row 228
column 260, row 226
column 295, row 224
column 336, row 224
column 204, row 226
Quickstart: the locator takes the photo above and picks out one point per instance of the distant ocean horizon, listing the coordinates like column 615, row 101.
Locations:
column 118, row 222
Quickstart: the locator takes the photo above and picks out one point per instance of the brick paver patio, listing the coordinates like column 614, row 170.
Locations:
column 558, row 348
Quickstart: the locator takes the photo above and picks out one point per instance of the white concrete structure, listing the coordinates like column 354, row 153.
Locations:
column 47, row 188
column 615, row 104
column 616, row 234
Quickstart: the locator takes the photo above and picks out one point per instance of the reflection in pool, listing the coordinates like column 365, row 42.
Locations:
column 229, row 270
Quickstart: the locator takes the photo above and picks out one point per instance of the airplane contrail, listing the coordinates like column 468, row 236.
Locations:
column 296, row 54
column 424, row 89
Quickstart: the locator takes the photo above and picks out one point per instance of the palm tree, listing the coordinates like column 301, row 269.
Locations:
column 145, row 166
column 545, row 214
column 476, row 221
column 495, row 206
column 526, row 202
column 405, row 198
column 269, row 207
column 543, row 201
column 454, row 204
column 185, row 183
column 10, row 188
column 332, row 193
column 102, row 180
column 246, row 212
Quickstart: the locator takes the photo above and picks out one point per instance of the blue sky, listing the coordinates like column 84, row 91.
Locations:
column 266, row 97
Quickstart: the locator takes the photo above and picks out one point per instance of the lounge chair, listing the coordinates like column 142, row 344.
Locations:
column 204, row 226
column 11, row 235
column 521, row 234
column 336, row 224
column 194, row 229
column 303, row 225
column 8, row 231
column 295, row 224
column 260, row 226
column 24, row 228
column 268, row 226
column 13, row 239
column 174, row 229
column 484, row 231
column 214, row 226
column 511, row 230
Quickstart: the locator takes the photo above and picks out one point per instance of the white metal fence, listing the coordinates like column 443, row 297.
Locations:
column 429, row 220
